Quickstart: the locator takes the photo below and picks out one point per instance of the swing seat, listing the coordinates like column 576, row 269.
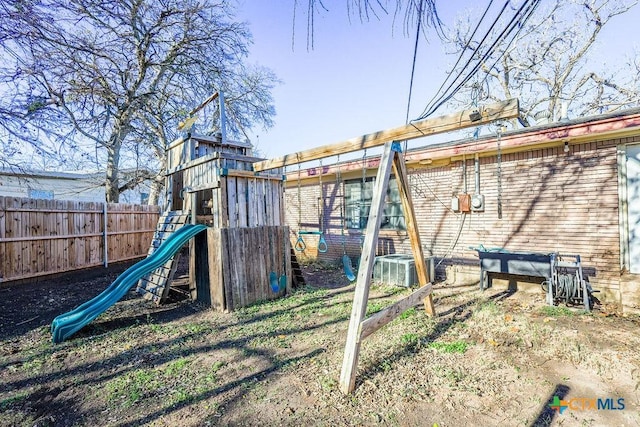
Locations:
column 348, row 268
column 273, row 281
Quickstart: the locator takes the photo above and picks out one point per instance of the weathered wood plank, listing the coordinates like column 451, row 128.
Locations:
column 195, row 278
column 3, row 250
column 250, row 174
column 263, row 277
column 260, row 203
column 268, row 204
column 26, row 231
column 43, row 247
column 250, row 244
column 50, row 229
column 225, row 266
column 241, row 198
column 287, row 258
column 381, row 318
column 244, row 265
column 232, row 197
column 224, row 208
column 498, row 111
column 411, row 223
column 216, row 280
column 251, row 203
column 14, row 255
column 361, row 295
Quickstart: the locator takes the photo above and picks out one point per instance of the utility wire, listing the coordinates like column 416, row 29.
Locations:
column 517, row 21
column 413, row 64
column 521, row 25
column 464, row 50
column 413, row 68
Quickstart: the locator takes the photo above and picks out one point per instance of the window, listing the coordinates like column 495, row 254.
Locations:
column 144, row 198
column 40, row 194
column 357, row 199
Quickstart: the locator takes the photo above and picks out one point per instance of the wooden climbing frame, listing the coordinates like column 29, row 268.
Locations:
column 392, row 160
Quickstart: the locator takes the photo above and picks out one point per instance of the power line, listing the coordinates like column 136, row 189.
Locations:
column 520, row 27
column 517, row 21
column 413, row 64
column 464, row 50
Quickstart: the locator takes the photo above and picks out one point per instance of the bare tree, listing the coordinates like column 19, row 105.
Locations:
column 248, row 101
column 410, row 13
column 548, row 66
column 120, row 73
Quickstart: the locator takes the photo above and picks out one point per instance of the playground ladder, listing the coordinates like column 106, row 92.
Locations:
column 296, row 271
column 155, row 286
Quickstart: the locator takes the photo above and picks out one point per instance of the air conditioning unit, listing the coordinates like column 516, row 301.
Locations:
column 400, row 270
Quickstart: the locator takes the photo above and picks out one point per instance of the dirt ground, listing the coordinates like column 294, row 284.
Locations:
column 493, row 358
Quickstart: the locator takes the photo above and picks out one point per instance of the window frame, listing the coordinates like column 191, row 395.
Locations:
column 393, row 218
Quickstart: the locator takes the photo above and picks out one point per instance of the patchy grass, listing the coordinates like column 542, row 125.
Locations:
column 130, row 388
column 278, row 363
column 557, row 311
column 9, row 402
column 408, row 313
column 449, row 347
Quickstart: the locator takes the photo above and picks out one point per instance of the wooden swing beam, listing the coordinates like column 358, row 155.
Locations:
column 468, row 118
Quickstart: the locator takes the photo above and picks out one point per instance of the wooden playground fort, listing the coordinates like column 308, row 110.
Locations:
column 246, row 253
column 210, row 182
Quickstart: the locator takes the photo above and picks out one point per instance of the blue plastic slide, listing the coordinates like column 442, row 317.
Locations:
column 69, row 323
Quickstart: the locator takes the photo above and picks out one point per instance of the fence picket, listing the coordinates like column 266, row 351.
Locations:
column 40, row 237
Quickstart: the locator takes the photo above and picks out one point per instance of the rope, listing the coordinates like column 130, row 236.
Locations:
column 362, row 187
column 346, row 260
column 299, row 199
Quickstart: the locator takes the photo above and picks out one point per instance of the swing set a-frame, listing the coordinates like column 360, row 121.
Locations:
column 391, row 161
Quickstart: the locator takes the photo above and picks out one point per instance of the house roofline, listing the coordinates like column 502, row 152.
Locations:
column 31, row 173
column 619, row 124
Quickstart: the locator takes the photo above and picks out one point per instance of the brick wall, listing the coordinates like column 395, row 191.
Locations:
column 551, row 201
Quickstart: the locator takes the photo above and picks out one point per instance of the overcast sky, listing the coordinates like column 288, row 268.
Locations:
column 356, row 78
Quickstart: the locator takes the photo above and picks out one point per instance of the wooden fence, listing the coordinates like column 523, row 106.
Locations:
column 40, row 237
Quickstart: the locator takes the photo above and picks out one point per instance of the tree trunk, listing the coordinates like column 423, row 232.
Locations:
column 157, row 185
column 112, row 194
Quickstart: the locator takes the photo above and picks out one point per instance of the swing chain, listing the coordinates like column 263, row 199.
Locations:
column 300, row 244
column 321, row 201
column 499, row 161
column 362, row 190
column 342, row 206
column 299, row 199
